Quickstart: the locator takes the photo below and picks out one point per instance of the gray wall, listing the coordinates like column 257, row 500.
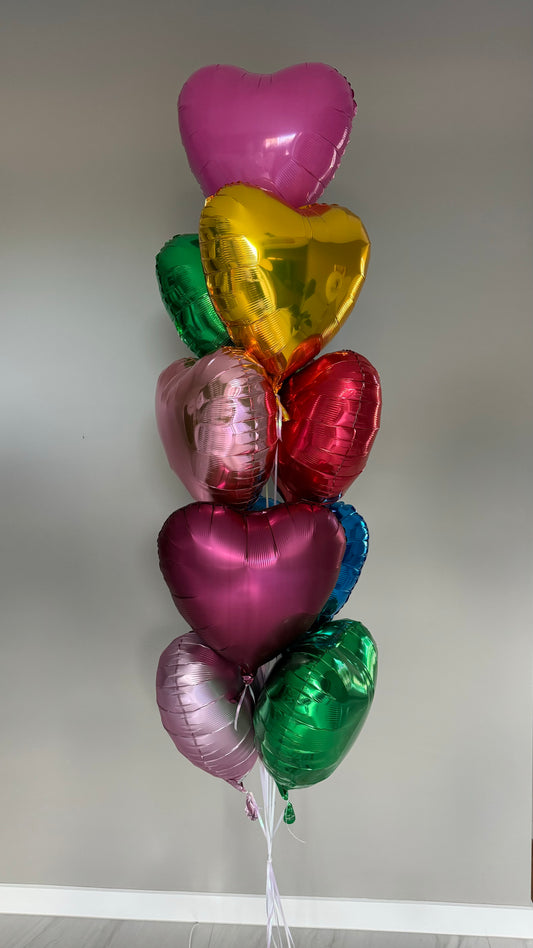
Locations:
column 434, row 801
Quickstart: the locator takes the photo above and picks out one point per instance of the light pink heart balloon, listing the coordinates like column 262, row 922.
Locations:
column 197, row 693
column 217, row 421
column 251, row 583
column 285, row 133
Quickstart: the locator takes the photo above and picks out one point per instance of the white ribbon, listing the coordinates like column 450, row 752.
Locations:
column 239, row 706
column 279, row 422
column 274, row 908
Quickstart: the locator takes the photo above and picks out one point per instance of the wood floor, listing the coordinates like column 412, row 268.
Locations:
column 28, row 931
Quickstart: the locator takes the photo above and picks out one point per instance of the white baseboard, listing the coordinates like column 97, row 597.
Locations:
column 352, row 914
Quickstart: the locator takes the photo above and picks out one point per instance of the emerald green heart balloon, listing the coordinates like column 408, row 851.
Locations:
column 178, row 267
column 315, row 703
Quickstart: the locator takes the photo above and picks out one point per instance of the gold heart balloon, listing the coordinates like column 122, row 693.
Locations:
column 282, row 280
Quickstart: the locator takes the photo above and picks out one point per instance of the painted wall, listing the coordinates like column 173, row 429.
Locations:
column 434, row 801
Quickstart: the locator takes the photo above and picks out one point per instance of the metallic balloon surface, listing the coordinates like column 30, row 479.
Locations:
column 353, row 560
column 251, row 583
column 197, row 694
column 217, row 421
column 285, row 133
column 181, row 280
column 334, row 408
column 282, row 280
column 315, row 703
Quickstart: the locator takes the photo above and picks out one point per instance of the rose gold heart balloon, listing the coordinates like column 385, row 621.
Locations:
column 197, row 694
column 217, row 421
column 282, row 280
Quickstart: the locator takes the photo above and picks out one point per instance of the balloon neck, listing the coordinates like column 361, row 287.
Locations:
column 289, row 815
column 251, row 809
column 247, row 678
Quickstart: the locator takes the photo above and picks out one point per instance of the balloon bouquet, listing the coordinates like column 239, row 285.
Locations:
column 267, row 282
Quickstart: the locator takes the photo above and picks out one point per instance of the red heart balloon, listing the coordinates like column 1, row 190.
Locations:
column 285, row 133
column 334, row 408
column 251, row 583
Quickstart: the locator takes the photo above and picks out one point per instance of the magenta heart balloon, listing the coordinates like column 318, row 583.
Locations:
column 217, row 421
column 285, row 133
column 197, row 693
column 251, row 583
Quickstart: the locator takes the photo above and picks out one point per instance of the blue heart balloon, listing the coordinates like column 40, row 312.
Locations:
column 356, row 532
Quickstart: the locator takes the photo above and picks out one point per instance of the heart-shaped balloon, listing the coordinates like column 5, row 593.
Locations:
column 217, row 421
column 315, row 703
column 181, row 280
column 353, row 560
column 197, row 693
column 282, row 280
column 251, row 583
column 334, row 408
column 285, row 133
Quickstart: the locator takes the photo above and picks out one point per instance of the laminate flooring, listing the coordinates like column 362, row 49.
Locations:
column 29, row 931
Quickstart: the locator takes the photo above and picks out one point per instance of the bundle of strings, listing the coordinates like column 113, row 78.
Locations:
column 276, row 922
column 277, row 927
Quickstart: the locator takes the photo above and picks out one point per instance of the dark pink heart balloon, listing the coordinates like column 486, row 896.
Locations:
column 285, row 133
column 251, row 583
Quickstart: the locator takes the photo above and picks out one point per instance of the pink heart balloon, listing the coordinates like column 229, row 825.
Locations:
column 251, row 583
column 217, row 421
column 285, row 133
column 197, row 693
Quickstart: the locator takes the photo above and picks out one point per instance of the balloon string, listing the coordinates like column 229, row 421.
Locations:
column 247, row 686
column 304, row 841
column 279, row 422
column 274, row 908
column 192, row 933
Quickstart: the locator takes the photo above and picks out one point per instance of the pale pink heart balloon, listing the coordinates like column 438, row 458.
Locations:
column 198, row 694
column 285, row 133
column 251, row 583
column 217, row 421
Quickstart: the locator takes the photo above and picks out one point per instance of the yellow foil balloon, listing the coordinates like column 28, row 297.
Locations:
column 282, row 280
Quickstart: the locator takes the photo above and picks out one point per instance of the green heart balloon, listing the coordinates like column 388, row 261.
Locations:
column 315, row 702
column 178, row 267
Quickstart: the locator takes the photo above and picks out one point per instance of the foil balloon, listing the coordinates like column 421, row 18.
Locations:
column 282, row 280
column 315, row 703
column 251, row 583
column 333, row 408
column 217, row 421
column 181, row 280
column 353, row 560
column 285, row 133
column 198, row 693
